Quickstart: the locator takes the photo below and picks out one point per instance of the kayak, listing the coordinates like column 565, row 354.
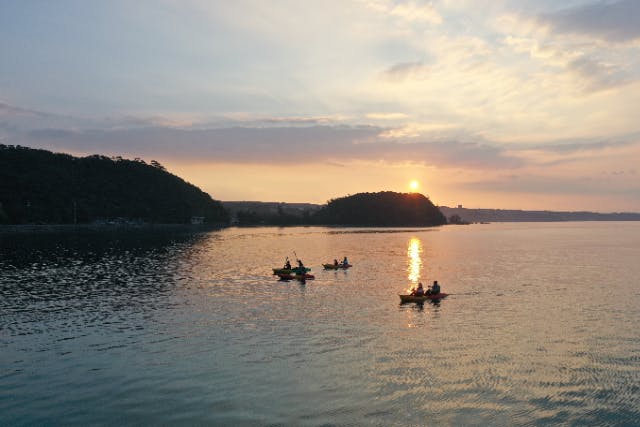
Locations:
column 413, row 298
column 277, row 271
column 336, row 267
column 289, row 276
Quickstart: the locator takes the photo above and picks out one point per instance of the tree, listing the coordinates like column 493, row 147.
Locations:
column 156, row 164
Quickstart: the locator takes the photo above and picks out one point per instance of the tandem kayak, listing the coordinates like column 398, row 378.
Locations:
column 296, row 270
column 413, row 298
column 336, row 267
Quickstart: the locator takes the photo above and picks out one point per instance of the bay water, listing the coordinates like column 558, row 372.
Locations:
column 160, row 327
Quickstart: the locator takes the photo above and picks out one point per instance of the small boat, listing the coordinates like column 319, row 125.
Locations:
column 336, row 267
column 290, row 276
column 278, row 271
column 414, row 298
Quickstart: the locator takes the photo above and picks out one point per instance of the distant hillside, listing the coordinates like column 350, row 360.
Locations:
column 41, row 187
column 383, row 209
column 502, row 215
column 270, row 213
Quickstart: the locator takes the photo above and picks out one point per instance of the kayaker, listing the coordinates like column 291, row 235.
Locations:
column 345, row 262
column 435, row 288
column 287, row 264
column 420, row 291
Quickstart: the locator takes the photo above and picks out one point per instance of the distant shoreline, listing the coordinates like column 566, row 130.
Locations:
column 94, row 228
column 514, row 215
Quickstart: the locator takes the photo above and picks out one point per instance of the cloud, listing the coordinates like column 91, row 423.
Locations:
column 7, row 110
column 301, row 120
column 404, row 70
column 413, row 11
column 435, row 131
column 587, row 185
column 15, row 119
column 589, row 153
column 274, row 145
column 609, row 21
column 408, row 11
column 598, row 75
column 582, row 49
column 584, row 145
column 386, row 116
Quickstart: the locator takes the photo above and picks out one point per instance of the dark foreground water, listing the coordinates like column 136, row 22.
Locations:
column 542, row 327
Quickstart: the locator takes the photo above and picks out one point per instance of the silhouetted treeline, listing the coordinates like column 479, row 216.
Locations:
column 41, row 187
column 513, row 215
column 383, row 209
column 280, row 218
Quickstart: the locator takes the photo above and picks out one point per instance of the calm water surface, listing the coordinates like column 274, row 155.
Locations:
column 164, row 328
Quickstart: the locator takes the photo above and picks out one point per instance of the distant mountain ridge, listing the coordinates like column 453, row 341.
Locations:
column 465, row 214
column 514, row 215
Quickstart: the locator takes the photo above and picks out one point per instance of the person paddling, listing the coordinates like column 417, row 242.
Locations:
column 301, row 271
column 435, row 288
column 418, row 292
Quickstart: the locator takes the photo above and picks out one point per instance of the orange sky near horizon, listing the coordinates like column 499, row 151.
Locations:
column 301, row 184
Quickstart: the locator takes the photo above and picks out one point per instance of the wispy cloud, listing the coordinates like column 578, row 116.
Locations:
column 616, row 21
column 386, row 116
column 10, row 111
column 311, row 144
column 586, row 185
column 599, row 75
column 590, row 144
column 408, row 11
column 414, row 11
column 404, row 70
column 588, row 49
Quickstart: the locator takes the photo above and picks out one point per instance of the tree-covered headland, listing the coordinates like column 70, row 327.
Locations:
column 41, row 187
column 382, row 209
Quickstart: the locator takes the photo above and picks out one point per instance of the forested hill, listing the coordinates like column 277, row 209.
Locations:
column 383, row 209
column 41, row 187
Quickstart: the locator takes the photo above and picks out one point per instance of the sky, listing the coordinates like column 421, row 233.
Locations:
column 512, row 104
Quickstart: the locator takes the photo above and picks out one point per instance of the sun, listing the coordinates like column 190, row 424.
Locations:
column 414, row 185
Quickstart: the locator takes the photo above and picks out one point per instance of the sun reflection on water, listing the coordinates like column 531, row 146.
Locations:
column 415, row 262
